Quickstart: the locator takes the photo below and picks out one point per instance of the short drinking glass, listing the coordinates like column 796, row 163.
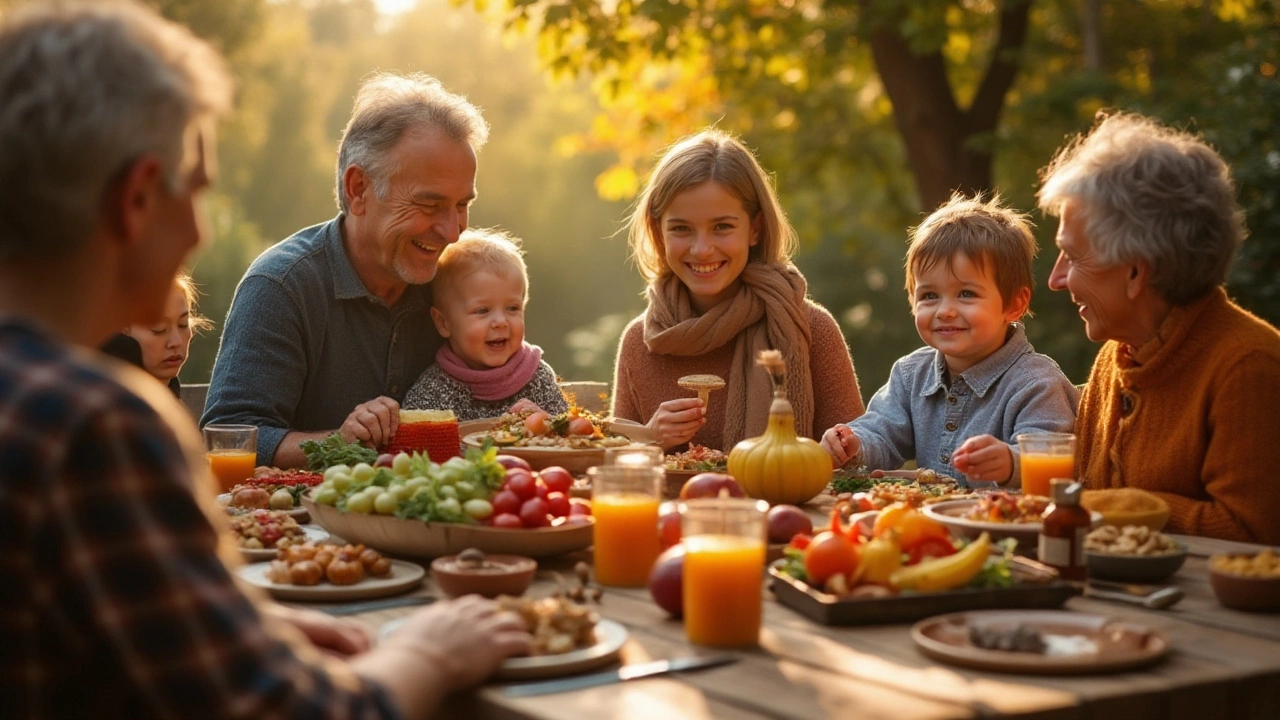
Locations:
column 232, row 452
column 624, row 500
column 724, row 541
column 1046, row 456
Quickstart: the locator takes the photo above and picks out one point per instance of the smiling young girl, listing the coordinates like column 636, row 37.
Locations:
column 711, row 240
column 485, row 367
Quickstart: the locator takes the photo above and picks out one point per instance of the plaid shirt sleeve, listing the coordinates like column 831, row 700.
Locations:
column 134, row 578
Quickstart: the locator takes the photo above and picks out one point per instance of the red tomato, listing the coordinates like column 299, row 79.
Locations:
column 506, row 502
column 800, row 541
column 557, row 479
column 536, row 423
column 829, row 554
column 540, row 489
column 521, row 483
column 558, row 504
column 534, row 513
column 581, row 426
column 579, row 506
column 507, row 520
column 930, row 548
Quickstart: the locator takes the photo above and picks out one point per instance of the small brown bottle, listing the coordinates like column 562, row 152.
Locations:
column 1062, row 532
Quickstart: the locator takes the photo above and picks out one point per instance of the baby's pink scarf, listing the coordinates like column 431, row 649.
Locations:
column 495, row 383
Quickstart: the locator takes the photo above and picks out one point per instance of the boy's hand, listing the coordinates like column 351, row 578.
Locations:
column 984, row 458
column 842, row 444
column 675, row 422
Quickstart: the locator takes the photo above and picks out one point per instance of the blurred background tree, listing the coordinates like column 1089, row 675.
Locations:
column 867, row 111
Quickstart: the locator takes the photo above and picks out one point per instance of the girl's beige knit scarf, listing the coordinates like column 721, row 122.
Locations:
column 768, row 312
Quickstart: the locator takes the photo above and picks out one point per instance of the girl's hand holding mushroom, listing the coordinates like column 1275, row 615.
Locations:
column 676, row 421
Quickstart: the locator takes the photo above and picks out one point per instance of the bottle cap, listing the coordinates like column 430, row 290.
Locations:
column 1065, row 491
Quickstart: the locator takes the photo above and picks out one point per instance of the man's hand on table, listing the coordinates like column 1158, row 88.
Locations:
column 463, row 640
column 373, row 423
column 336, row 636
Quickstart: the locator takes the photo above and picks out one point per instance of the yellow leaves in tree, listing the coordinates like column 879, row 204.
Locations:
column 617, row 183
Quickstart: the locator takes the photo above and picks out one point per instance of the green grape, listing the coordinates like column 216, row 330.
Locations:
column 327, row 495
column 336, row 470
column 360, row 503
column 416, row 482
column 400, row 465
column 449, row 492
column 342, row 482
column 478, row 509
column 466, row 490
column 385, row 504
column 398, row 491
column 363, row 472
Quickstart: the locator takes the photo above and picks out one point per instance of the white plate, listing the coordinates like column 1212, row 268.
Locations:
column 404, row 576
column 610, row 637
column 298, row 513
column 951, row 513
column 314, row 535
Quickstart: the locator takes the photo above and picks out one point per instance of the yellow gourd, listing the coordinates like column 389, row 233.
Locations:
column 778, row 466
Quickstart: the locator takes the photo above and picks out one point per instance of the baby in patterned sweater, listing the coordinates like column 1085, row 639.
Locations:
column 485, row 368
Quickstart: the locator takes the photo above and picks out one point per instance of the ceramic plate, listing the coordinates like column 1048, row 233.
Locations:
column 1135, row 568
column 575, row 460
column 610, row 637
column 414, row 538
column 314, row 535
column 951, row 512
column 1079, row 643
column 299, row 514
column 404, row 576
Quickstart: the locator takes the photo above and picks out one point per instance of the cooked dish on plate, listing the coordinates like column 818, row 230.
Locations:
column 577, row 428
column 1004, row 507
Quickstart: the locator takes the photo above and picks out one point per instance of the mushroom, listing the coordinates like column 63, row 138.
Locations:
column 703, row 384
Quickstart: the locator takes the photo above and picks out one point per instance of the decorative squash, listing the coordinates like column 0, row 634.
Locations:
column 778, row 466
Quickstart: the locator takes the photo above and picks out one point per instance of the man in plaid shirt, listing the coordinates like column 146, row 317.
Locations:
column 114, row 601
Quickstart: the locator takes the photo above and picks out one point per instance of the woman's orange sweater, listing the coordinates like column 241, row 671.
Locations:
column 1197, row 422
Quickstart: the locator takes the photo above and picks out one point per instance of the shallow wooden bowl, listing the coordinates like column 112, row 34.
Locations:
column 414, row 538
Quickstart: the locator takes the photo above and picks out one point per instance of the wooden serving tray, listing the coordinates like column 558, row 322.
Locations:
column 1035, row 586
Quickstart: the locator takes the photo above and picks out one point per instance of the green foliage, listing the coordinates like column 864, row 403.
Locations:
column 333, row 450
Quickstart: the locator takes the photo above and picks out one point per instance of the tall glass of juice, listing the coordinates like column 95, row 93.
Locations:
column 624, row 500
column 724, row 541
column 1046, row 456
column 232, row 452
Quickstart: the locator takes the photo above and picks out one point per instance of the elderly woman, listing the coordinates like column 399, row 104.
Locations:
column 1184, row 397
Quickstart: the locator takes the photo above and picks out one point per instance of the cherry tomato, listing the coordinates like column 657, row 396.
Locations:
column 579, row 506
column 534, row 513
column 829, row 554
column 558, row 504
column 507, row 520
column 536, row 423
column 521, row 483
column 930, row 548
column 581, row 426
column 506, row 502
column 540, row 489
column 557, row 479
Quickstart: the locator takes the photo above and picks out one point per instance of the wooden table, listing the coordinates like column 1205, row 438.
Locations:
column 1223, row 664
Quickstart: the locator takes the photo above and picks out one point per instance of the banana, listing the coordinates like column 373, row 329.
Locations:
column 945, row 573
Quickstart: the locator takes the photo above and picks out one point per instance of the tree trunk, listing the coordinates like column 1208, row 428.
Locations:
column 948, row 148
column 1091, row 34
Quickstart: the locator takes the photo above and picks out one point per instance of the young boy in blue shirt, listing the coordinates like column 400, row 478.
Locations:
column 957, row 405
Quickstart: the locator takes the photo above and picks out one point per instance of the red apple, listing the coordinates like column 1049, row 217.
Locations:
column 787, row 521
column 511, row 461
column 557, row 479
column 708, row 484
column 666, row 580
column 669, row 524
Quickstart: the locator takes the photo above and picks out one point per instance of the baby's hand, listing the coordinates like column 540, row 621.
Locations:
column 984, row 458
column 524, row 404
column 842, row 444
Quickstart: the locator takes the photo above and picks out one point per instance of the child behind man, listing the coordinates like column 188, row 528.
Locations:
column 956, row 405
column 479, row 295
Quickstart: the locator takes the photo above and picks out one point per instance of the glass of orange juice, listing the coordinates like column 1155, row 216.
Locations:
column 724, row 541
column 624, row 500
column 1046, row 456
column 634, row 455
column 232, row 452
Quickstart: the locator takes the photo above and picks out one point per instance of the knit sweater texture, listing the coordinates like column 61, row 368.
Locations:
column 1197, row 422
column 644, row 380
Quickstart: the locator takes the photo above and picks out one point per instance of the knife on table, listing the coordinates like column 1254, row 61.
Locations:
column 1154, row 598
column 628, row 672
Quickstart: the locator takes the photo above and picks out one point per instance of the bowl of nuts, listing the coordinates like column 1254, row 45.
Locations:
column 472, row 572
column 1132, row 553
column 1247, row 582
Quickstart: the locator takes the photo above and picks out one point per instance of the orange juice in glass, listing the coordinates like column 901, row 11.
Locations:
column 232, row 452
column 624, row 500
column 1046, row 456
column 724, row 541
